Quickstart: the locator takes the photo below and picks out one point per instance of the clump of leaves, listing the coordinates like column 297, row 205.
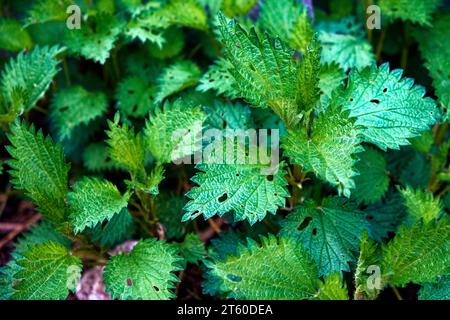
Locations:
column 101, row 127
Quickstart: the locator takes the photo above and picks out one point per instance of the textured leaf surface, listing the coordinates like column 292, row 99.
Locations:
column 264, row 70
column 147, row 272
column 31, row 73
column 344, row 43
column 173, row 126
column 436, row 291
column 330, row 232
column 333, row 288
column 219, row 78
column 248, row 190
column 287, row 20
column 74, row 106
column 38, row 167
column 417, row 254
column 44, row 272
column 92, row 201
column 239, row 279
column 177, row 77
column 96, row 39
column 126, row 148
column 372, row 182
column 421, row 205
column 417, row 11
column 328, row 151
column 390, row 109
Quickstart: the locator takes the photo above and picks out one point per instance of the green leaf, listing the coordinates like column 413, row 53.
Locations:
column 330, row 232
column 13, row 37
column 38, row 167
column 233, row 8
column 265, row 72
column 333, row 288
column 173, row 45
column 170, row 126
column 240, row 279
column 96, row 157
column 148, row 27
column 417, row 254
column 147, row 272
column 186, row 13
column 96, row 38
column 372, row 182
column 32, row 73
column 416, row 11
column 135, row 97
column 344, row 43
column 328, row 151
column 287, row 20
column 92, row 201
column 46, row 272
column 192, row 249
column 435, row 51
column 126, row 148
column 421, row 205
column 169, row 210
column 47, row 10
column 219, row 78
column 384, row 217
column 74, row 106
column 176, row 78
column 436, row 291
column 248, row 188
column 389, row 109
column 228, row 115
column 331, row 77
column 115, row 231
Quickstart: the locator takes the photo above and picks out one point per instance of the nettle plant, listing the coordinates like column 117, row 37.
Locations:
column 358, row 202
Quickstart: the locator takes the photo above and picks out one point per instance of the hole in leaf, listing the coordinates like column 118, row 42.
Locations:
column 194, row 213
column 375, row 101
column 156, row 288
column 234, row 278
column 304, row 223
column 223, row 197
column 369, row 217
column 237, row 174
column 314, row 231
column 385, row 90
column 129, row 282
column 65, row 108
column 270, row 177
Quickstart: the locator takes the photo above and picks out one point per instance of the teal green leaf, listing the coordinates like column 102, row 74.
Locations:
column 389, row 109
column 115, row 231
column 436, row 291
column 372, row 182
column 192, row 249
column 330, row 232
column 416, row 11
